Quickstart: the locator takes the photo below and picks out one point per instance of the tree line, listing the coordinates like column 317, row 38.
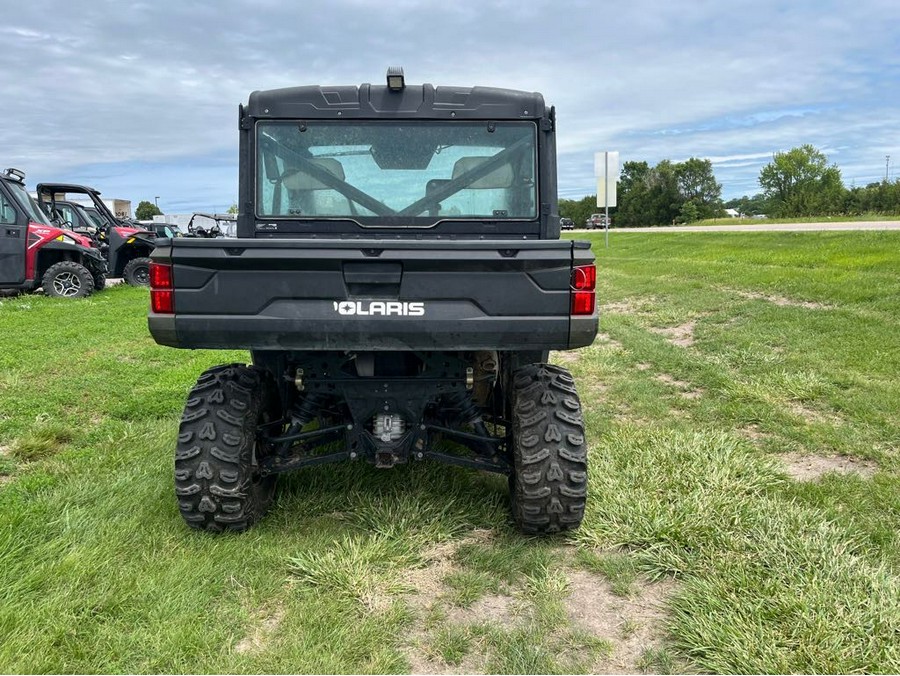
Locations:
column 796, row 183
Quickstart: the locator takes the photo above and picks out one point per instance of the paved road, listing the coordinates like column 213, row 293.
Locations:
column 768, row 227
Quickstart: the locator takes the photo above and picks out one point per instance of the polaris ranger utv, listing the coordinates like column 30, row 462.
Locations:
column 126, row 245
column 399, row 281
column 34, row 253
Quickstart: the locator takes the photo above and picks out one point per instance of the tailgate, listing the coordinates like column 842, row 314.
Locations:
column 372, row 295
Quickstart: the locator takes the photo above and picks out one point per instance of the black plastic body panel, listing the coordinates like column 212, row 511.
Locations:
column 372, row 295
column 413, row 102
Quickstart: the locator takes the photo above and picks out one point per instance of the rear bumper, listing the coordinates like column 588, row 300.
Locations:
column 278, row 333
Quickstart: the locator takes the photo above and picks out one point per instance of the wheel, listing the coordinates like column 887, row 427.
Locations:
column 67, row 279
column 217, row 480
column 99, row 281
column 548, row 484
column 137, row 272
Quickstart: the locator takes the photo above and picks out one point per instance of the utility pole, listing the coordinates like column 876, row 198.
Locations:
column 156, row 201
column 887, row 159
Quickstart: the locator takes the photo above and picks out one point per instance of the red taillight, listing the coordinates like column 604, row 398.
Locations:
column 583, row 303
column 161, row 302
column 162, row 298
column 160, row 276
column 584, row 283
column 584, row 278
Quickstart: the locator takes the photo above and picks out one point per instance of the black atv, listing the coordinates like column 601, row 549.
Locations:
column 399, row 281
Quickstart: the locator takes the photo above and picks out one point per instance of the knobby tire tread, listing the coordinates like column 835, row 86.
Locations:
column 549, row 481
column 216, row 483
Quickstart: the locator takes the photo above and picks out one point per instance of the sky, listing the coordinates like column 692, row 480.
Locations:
column 139, row 99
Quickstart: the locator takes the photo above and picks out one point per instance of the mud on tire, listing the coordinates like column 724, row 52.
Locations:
column 548, row 485
column 217, row 483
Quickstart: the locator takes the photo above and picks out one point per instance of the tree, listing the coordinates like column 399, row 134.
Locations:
column 799, row 182
column 146, row 211
column 661, row 195
column 233, row 209
column 667, row 193
column 649, row 196
column 749, row 206
column 633, row 194
column 690, row 212
column 579, row 210
column 877, row 198
column 697, row 186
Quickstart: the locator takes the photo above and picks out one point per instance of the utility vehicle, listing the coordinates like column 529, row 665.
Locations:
column 223, row 224
column 163, row 229
column 75, row 217
column 36, row 254
column 399, row 281
column 125, row 244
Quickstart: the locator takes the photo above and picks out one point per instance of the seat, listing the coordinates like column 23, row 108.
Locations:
column 298, row 179
column 501, row 177
column 309, row 195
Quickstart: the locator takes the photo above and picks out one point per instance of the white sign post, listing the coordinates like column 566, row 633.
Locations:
column 606, row 169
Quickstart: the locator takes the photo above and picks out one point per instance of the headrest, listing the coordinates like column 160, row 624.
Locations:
column 297, row 179
column 501, row 177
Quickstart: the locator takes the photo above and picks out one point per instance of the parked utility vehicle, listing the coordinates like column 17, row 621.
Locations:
column 125, row 244
column 399, row 281
column 36, row 254
column 222, row 225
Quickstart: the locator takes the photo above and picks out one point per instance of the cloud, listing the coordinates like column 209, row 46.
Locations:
column 150, row 90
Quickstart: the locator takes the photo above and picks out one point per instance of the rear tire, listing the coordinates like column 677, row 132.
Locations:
column 99, row 281
column 217, row 481
column 67, row 279
column 548, row 485
column 137, row 272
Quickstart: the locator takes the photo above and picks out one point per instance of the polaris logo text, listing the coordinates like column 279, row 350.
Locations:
column 379, row 308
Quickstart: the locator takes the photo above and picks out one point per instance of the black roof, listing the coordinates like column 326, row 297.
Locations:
column 65, row 188
column 414, row 101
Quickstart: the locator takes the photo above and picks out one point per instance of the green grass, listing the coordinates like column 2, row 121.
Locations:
column 452, row 644
column 795, row 349
column 841, row 218
column 618, row 568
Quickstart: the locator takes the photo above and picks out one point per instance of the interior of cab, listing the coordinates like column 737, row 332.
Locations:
column 432, row 172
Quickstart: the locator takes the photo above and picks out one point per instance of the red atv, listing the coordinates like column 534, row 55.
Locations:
column 126, row 245
column 34, row 253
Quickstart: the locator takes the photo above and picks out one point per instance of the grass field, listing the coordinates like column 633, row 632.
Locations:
column 742, row 406
column 803, row 219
